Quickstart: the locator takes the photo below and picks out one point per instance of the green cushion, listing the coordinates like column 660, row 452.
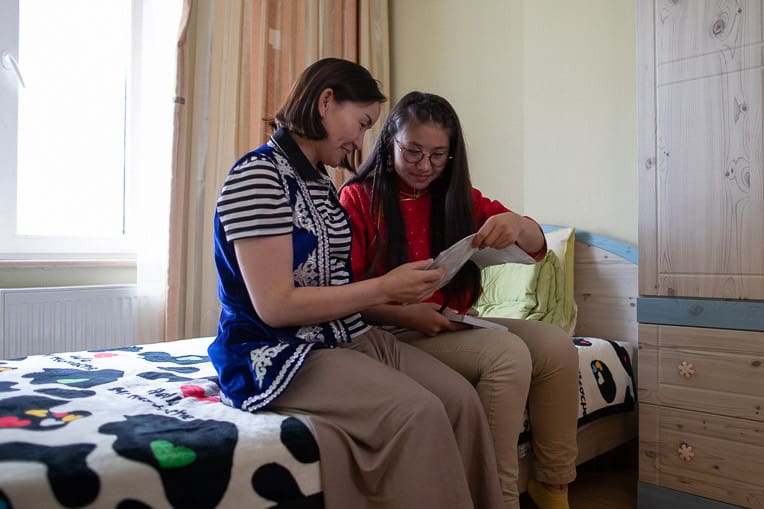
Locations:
column 530, row 292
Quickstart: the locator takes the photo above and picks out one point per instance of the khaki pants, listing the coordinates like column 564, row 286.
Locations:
column 396, row 428
column 534, row 360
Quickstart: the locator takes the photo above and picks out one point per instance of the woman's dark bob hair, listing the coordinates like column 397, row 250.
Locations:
column 349, row 82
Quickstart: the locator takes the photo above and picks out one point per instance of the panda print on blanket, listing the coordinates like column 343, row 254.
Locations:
column 607, row 386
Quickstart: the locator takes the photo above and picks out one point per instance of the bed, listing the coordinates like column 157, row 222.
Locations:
column 143, row 426
column 605, row 292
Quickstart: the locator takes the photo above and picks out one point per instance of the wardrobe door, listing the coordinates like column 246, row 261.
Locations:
column 700, row 113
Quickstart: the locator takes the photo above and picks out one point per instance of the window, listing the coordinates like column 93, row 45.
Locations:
column 86, row 92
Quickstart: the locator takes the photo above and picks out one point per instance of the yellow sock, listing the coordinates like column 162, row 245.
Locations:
column 545, row 499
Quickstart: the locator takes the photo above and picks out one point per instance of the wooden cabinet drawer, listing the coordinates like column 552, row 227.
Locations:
column 708, row 455
column 716, row 371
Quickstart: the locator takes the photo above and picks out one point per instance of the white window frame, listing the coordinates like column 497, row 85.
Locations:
column 31, row 248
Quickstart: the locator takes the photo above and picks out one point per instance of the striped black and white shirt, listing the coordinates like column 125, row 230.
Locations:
column 274, row 190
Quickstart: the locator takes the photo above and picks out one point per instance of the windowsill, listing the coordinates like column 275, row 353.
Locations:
column 64, row 263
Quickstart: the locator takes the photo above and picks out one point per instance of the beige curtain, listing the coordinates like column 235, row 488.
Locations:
column 236, row 62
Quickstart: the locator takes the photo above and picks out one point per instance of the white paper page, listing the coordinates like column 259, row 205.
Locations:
column 512, row 254
column 457, row 255
column 475, row 322
column 453, row 258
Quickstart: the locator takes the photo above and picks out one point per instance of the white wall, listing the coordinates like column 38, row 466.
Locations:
column 546, row 91
column 470, row 53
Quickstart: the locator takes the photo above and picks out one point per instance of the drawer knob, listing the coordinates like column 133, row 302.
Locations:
column 685, row 452
column 686, row 369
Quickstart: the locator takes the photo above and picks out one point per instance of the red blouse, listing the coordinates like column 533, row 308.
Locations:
column 416, row 218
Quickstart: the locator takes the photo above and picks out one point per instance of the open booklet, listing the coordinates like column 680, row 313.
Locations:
column 475, row 321
column 457, row 255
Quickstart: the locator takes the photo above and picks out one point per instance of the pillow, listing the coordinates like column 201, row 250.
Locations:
column 563, row 242
column 543, row 291
column 526, row 292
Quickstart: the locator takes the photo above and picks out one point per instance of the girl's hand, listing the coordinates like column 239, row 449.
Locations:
column 499, row 231
column 503, row 230
column 411, row 282
column 426, row 318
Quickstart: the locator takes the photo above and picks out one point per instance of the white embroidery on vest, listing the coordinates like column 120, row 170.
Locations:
column 261, row 360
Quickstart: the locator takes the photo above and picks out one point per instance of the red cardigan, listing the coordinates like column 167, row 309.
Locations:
column 416, row 218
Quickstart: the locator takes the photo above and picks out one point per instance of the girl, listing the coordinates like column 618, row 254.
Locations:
column 395, row 427
column 412, row 198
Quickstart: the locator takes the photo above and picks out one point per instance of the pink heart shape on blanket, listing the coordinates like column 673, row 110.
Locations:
column 102, row 355
column 11, row 421
column 197, row 392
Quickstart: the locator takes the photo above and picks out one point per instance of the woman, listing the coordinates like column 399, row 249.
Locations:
column 395, row 427
column 411, row 199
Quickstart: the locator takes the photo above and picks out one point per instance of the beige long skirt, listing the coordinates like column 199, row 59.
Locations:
column 396, row 428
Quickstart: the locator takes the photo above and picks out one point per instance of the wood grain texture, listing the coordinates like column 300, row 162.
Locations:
column 646, row 148
column 606, row 294
column 727, row 370
column 712, row 456
column 700, row 148
column 701, row 390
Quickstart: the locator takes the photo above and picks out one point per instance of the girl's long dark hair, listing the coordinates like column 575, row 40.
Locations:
column 452, row 215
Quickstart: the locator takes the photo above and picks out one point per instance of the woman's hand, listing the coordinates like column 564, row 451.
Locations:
column 503, row 230
column 411, row 282
column 266, row 266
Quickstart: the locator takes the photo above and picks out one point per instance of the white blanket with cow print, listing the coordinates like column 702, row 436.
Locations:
column 143, row 427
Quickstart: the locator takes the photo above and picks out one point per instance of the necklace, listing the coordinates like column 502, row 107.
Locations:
column 405, row 196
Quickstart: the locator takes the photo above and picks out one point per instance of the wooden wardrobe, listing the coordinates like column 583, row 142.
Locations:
column 701, row 253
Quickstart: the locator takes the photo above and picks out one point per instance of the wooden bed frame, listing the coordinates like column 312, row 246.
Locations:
column 606, row 292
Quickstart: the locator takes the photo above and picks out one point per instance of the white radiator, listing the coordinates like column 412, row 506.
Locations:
column 65, row 319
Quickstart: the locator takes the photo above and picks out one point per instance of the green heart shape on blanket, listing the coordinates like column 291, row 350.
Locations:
column 71, row 380
column 171, row 456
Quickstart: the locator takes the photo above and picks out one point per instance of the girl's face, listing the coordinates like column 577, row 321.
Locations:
column 346, row 124
column 428, row 143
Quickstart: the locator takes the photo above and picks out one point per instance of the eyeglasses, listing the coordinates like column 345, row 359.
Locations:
column 414, row 156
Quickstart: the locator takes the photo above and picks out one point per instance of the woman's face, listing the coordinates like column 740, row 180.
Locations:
column 428, row 141
column 346, row 124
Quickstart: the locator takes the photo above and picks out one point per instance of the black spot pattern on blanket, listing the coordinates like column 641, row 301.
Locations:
column 179, row 359
column 66, row 393
column 275, row 482
column 33, row 413
column 8, row 387
column 623, row 356
column 180, row 369
column 71, row 480
column 298, row 439
column 158, row 375
column 193, row 458
column 79, row 378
